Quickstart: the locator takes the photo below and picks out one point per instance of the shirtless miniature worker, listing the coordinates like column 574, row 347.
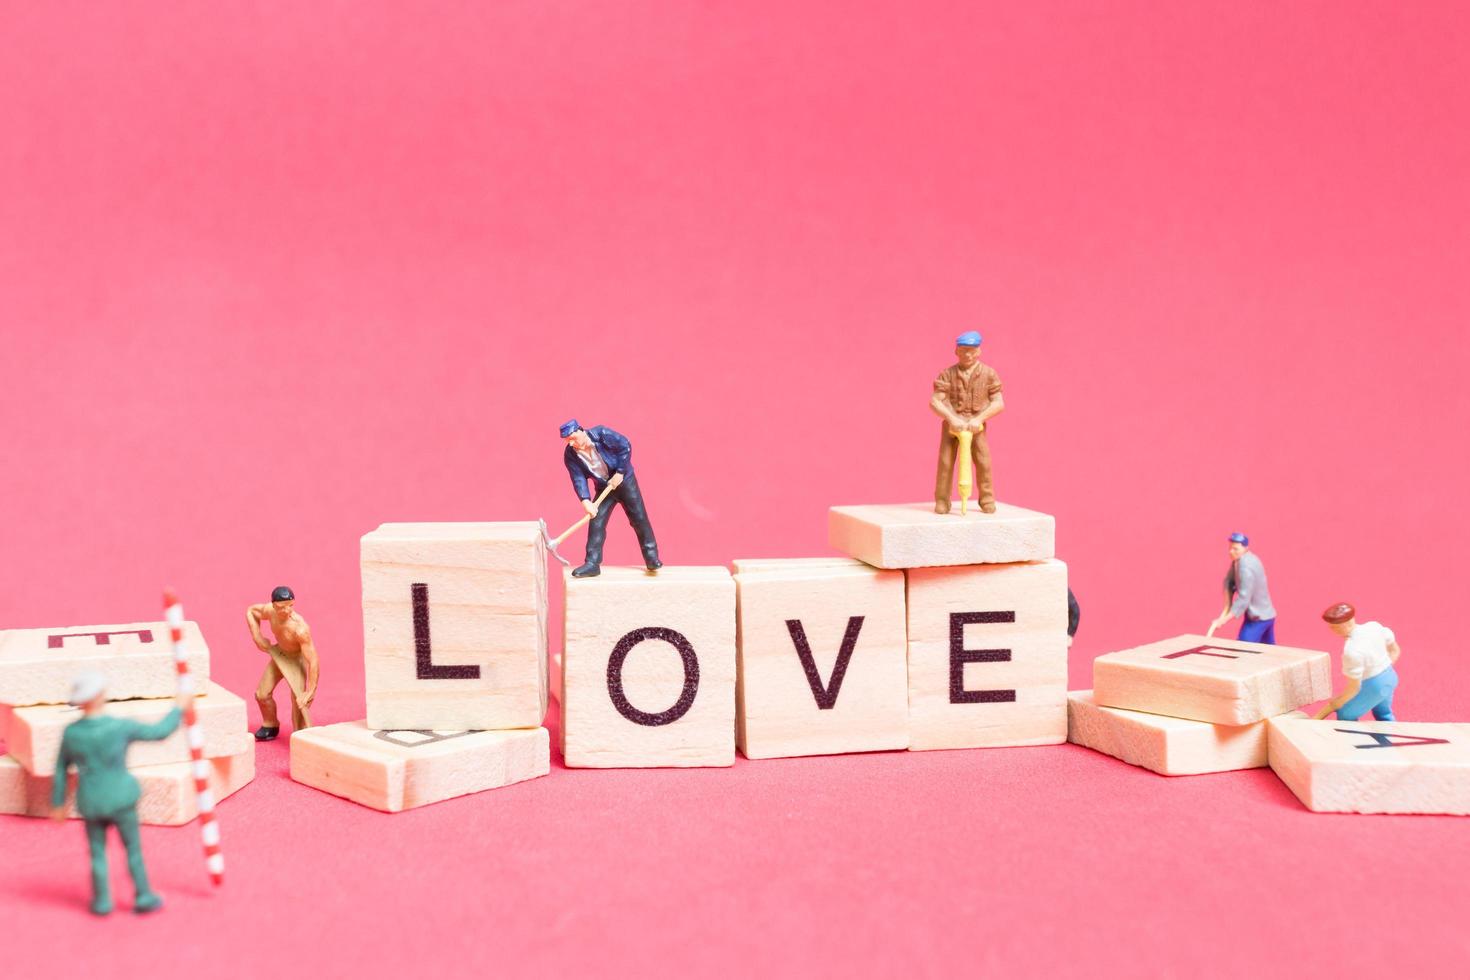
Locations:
column 292, row 658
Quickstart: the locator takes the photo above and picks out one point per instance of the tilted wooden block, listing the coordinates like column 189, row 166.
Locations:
column 400, row 770
column 454, row 626
column 649, row 668
column 1226, row 682
column 822, row 658
column 35, row 732
column 37, row 666
column 1168, row 746
column 168, row 796
column 1373, row 766
column 987, row 655
column 913, row 536
column 14, row 787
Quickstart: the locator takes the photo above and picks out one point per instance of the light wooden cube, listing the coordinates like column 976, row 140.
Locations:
column 913, row 536
column 168, row 797
column 1373, row 766
column 987, row 655
column 649, row 668
column 400, row 770
column 37, row 666
column 1168, row 746
column 798, row 621
column 14, row 787
column 35, row 732
column 454, row 626
column 1226, row 682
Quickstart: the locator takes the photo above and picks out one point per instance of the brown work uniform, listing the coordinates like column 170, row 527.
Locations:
column 966, row 399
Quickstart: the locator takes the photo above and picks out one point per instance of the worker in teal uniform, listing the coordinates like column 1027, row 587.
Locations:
column 107, row 794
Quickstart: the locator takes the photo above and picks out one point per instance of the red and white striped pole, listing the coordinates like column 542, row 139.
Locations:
column 214, row 858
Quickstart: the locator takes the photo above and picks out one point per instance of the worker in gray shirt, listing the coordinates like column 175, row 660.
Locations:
column 1246, row 595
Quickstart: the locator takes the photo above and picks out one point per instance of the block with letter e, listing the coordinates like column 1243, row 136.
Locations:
column 454, row 626
column 1373, row 766
column 37, row 666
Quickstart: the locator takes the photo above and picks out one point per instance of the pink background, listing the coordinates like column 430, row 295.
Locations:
column 274, row 273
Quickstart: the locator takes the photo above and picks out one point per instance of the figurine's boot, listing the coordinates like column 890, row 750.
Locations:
column 586, row 570
column 267, row 733
column 144, row 898
column 101, row 887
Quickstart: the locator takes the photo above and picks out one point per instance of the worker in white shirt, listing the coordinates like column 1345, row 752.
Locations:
column 1368, row 656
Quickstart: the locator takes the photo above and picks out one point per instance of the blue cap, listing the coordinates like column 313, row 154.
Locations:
column 970, row 338
column 1238, row 538
column 567, row 428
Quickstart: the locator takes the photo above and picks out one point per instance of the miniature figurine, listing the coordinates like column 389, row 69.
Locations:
column 599, row 458
column 107, row 794
column 966, row 396
column 1246, row 595
column 1368, row 659
column 293, row 658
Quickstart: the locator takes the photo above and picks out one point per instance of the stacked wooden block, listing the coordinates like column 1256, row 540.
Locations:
column 454, row 633
column 36, row 670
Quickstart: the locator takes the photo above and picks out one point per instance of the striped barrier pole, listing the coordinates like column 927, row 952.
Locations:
column 214, row 858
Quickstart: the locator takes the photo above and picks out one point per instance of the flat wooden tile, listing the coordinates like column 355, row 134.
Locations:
column 1373, row 766
column 1168, row 746
column 37, row 666
column 987, row 655
column 672, row 702
column 35, row 732
column 454, row 626
column 400, row 770
column 14, row 787
column 1226, row 682
column 913, row 536
column 168, row 797
column 796, row 617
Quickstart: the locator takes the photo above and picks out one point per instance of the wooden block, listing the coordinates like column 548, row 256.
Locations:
column 35, row 732
column 14, row 787
column 988, row 655
column 1225, row 682
column 400, row 770
column 913, row 536
column 822, row 658
column 1373, row 766
column 168, row 797
column 786, row 564
column 1168, row 746
column 454, row 626
column 649, row 668
column 37, row 666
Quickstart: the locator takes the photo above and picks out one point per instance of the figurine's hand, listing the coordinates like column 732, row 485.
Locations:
column 975, row 425
column 262, row 646
column 304, row 699
column 590, row 508
column 1324, row 711
column 616, row 481
column 58, row 813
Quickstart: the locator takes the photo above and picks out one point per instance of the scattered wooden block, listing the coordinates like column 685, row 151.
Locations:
column 649, row 668
column 400, row 770
column 35, row 732
column 1226, row 682
column 822, row 658
column 987, row 655
column 14, row 786
column 1168, row 746
column 913, row 536
column 1373, row 766
column 37, row 666
column 168, row 796
column 454, row 626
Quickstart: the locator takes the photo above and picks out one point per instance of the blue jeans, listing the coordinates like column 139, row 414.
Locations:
column 1375, row 695
column 1258, row 630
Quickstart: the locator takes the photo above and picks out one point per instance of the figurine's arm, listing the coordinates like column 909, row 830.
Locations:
column 621, row 451
column 58, row 783
column 939, row 405
column 1393, row 652
column 996, row 406
column 253, row 616
column 159, row 730
column 1348, row 693
column 313, row 668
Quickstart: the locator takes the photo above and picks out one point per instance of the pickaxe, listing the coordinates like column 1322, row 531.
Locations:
column 553, row 542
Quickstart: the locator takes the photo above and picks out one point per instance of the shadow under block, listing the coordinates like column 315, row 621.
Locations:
column 37, row 666
column 400, row 770
column 167, row 796
column 822, row 658
column 1225, row 682
column 1168, row 746
column 987, row 655
column 1373, row 766
column 34, row 735
column 913, row 536
column 454, row 626
column 649, row 668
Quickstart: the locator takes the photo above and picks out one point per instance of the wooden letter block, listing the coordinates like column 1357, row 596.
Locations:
column 454, row 626
column 913, row 536
column 35, row 732
column 649, row 669
column 1373, row 766
column 1168, row 746
column 37, row 666
column 400, row 770
column 168, row 797
column 1225, row 682
column 988, row 655
column 14, row 787
column 822, row 658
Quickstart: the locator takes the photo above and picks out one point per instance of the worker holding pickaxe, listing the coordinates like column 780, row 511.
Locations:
column 601, row 459
column 966, row 396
